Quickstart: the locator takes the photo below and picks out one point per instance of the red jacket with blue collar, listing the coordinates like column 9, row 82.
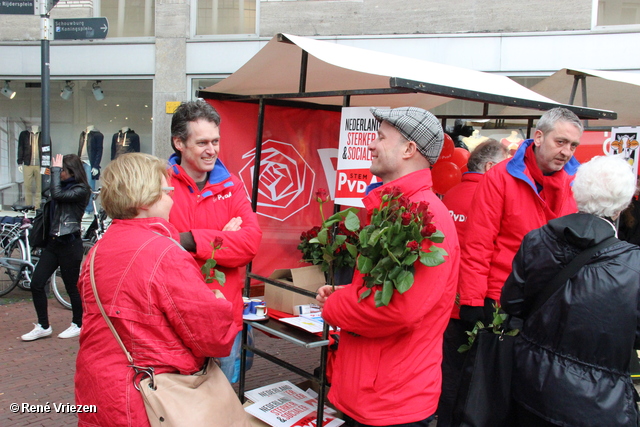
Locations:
column 205, row 213
column 505, row 207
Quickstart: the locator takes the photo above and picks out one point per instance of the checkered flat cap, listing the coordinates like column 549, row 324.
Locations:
column 417, row 125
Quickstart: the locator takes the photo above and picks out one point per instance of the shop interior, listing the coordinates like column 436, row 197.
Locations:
column 109, row 106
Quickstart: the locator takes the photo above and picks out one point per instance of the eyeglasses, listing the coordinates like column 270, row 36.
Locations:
column 168, row 190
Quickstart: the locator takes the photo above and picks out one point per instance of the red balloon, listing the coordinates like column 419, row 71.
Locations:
column 460, row 157
column 445, row 175
column 447, row 149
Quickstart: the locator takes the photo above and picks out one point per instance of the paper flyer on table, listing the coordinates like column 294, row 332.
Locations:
column 286, row 388
column 309, row 324
column 282, row 410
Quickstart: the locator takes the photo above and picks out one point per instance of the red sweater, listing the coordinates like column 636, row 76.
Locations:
column 390, row 372
column 458, row 201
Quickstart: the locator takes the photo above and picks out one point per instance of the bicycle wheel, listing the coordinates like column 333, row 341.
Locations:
column 12, row 267
column 57, row 284
column 59, row 290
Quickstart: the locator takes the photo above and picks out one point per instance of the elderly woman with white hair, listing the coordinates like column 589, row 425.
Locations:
column 573, row 353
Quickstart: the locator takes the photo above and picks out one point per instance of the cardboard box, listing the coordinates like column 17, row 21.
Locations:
column 309, row 278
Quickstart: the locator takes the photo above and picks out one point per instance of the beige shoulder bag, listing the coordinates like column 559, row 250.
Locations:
column 205, row 398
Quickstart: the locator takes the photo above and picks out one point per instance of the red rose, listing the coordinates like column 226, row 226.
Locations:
column 217, row 242
column 422, row 207
column 322, row 195
column 413, row 245
column 428, row 230
column 392, row 192
column 404, row 201
column 427, row 218
column 406, row 218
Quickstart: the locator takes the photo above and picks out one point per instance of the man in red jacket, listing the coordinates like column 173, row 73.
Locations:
column 458, row 200
column 512, row 199
column 387, row 368
column 210, row 203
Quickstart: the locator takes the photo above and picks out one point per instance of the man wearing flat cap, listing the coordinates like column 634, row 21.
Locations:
column 387, row 371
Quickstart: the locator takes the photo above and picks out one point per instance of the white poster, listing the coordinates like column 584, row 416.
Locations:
column 624, row 140
column 358, row 128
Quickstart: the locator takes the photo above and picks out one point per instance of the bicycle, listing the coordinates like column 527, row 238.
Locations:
column 19, row 260
column 91, row 235
column 99, row 224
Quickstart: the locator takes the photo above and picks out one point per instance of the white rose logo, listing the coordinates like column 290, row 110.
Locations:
column 286, row 179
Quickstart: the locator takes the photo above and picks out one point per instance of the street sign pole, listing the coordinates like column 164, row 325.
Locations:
column 46, row 35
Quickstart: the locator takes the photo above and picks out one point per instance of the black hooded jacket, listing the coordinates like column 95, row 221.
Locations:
column 572, row 356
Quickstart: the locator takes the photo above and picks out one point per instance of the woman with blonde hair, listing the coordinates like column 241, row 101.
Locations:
column 151, row 290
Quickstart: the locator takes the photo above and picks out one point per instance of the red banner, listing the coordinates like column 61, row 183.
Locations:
column 299, row 156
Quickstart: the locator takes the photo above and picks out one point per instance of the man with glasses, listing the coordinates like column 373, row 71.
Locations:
column 210, row 203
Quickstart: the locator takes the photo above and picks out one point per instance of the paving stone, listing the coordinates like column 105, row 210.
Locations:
column 42, row 371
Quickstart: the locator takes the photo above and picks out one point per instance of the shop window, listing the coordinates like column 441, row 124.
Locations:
column 618, row 12
column 199, row 84
column 5, row 154
column 218, row 17
column 129, row 18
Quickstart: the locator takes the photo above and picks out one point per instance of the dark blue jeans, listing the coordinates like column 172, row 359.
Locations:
column 65, row 252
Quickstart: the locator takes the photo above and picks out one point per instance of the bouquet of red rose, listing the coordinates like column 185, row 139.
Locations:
column 330, row 249
column 392, row 243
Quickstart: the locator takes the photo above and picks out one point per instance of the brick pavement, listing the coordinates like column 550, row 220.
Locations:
column 42, row 371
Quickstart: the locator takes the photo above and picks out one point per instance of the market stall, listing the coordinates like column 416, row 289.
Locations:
column 281, row 120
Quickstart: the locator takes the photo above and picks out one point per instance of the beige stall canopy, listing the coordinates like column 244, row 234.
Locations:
column 610, row 90
column 291, row 68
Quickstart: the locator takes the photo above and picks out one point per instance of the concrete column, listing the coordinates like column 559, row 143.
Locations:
column 170, row 83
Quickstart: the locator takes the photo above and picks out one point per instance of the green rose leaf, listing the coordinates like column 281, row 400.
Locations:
column 393, row 275
column 353, row 250
column 463, row 348
column 364, row 237
column 340, row 239
column 220, row 277
column 410, row 259
column 364, row 295
column 437, row 237
column 433, row 258
column 387, row 292
column 375, row 236
column 399, row 239
column 377, row 298
column 364, row 264
column 352, row 222
column 322, row 236
column 404, row 281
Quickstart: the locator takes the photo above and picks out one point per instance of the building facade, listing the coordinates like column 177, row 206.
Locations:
column 160, row 51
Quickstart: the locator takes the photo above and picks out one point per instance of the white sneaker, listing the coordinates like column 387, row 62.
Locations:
column 71, row 332
column 38, row 332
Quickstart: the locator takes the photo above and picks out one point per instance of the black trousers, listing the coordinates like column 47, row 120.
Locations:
column 524, row 418
column 350, row 422
column 64, row 252
column 452, row 362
